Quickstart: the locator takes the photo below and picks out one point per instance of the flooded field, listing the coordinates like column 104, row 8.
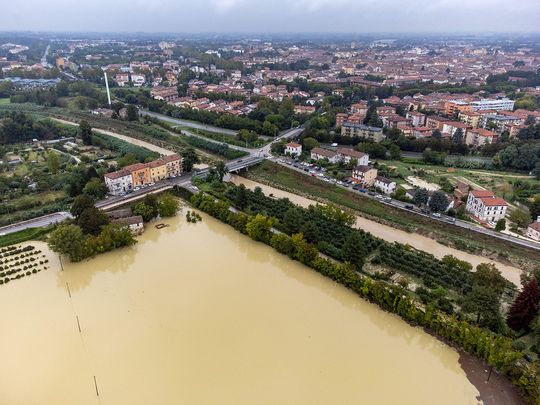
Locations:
column 200, row 314
column 390, row 234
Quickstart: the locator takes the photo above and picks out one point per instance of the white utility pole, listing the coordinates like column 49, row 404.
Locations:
column 107, row 86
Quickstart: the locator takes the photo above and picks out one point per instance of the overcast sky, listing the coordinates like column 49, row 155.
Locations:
column 359, row 16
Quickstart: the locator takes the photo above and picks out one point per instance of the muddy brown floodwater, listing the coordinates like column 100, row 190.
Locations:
column 200, row 314
column 390, row 234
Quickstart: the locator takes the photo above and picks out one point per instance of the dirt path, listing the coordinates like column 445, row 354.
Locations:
column 133, row 141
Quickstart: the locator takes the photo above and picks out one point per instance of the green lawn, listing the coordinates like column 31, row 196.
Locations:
column 4, row 101
column 498, row 182
column 24, row 235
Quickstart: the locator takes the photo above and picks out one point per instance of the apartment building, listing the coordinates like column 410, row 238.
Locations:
column 365, row 175
column 174, row 165
column 533, row 230
column 502, row 104
column 140, row 173
column 416, row 118
column 164, row 93
column 471, row 118
column 374, row 134
column 346, row 155
column 486, row 206
column 478, row 137
column 158, row 170
column 387, row 186
column 293, row 149
column 321, row 154
column 119, row 182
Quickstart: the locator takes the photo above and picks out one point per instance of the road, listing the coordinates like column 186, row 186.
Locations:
column 403, row 205
column 190, row 124
column 36, row 222
column 265, row 150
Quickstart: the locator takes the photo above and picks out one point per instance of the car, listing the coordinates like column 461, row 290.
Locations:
column 425, row 211
column 334, row 144
column 409, row 207
column 362, row 190
column 436, row 215
column 387, row 199
column 137, row 188
column 379, row 197
column 371, row 193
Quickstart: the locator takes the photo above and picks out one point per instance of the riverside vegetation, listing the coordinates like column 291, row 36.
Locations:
column 457, row 305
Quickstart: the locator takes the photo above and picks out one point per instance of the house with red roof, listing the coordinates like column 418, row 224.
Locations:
column 485, row 206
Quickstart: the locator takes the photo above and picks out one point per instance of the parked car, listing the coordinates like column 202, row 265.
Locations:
column 436, row 215
column 425, row 211
column 409, row 207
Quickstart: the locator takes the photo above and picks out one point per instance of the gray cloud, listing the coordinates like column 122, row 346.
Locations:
column 272, row 15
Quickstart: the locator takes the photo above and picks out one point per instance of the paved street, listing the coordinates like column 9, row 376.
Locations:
column 191, row 124
column 36, row 222
column 403, row 205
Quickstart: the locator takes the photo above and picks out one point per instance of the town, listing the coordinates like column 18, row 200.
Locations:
column 403, row 169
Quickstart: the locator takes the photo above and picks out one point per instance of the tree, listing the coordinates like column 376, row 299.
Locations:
column 259, row 228
column 68, row 240
column 487, row 275
column 421, row 196
column 310, row 143
column 483, row 302
column 457, row 138
column 395, row 152
column 501, row 225
column 525, row 307
column 95, row 188
column 536, row 171
column 190, row 158
column 305, row 252
column 520, row 218
column 145, row 211
column 241, row 197
column 221, row 170
column 81, row 202
column 352, row 250
column 438, row 202
column 132, row 113
column 53, row 163
column 167, row 206
column 91, row 220
column 436, row 134
column 534, row 209
column 310, row 232
column 85, row 131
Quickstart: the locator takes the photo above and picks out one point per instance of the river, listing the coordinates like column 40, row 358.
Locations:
column 201, row 314
column 390, row 234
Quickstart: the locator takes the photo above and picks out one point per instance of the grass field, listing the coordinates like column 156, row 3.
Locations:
column 498, row 182
column 4, row 101
column 24, row 235
column 291, row 180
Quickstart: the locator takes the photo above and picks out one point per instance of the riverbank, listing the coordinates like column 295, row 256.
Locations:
column 511, row 273
column 486, row 345
column 445, row 234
